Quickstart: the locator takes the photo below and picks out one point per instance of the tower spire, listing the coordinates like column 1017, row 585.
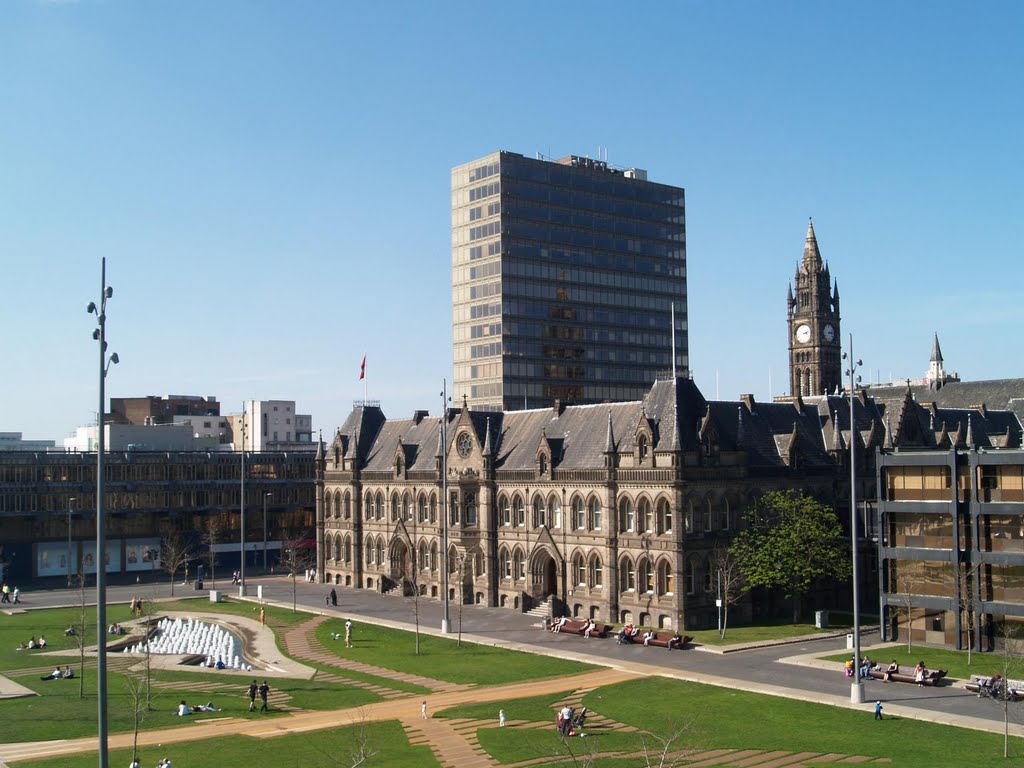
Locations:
column 812, row 256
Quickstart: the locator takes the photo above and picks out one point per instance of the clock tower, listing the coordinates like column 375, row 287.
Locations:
column 815, row 354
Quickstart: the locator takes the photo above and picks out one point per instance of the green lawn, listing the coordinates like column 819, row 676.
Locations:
column 769, row 630
column 327, row 748
column 954, row 662
column 442, row 658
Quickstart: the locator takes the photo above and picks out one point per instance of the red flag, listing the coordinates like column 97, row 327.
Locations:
column 362, row 369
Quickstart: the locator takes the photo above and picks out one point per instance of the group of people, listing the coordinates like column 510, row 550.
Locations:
column 627, row 634
column 58, row 674
column 184, row 709
column 263, row 691
column 331, row 598
column 33, row 644
column 137, row 608
column 164, row 763
column 8, row 593
column 115, row 629
column 236, row 577
column 569, row 723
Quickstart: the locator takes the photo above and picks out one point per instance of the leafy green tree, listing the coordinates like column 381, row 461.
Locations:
column 790, row 542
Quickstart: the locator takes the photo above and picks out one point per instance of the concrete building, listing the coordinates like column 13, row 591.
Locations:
column 13, row 441
column 564, row 274
column 135, row 437
column 48, row 505
column 155, row 409
column 272, row 425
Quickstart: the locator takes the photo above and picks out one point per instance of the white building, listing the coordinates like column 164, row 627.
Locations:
column 136, row 437
column 273, row 425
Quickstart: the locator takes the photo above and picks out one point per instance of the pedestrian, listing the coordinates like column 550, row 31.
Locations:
column 348, row 633
column 501, row 718
column 878, row 710
column 264, row 691
column 253, row 689
column 334, row 598
column 327, row 601
column 6, row 593
column 423, row 709
column 16, row 593
column 263, row 617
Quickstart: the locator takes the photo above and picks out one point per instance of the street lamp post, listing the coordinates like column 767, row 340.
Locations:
column 100, row 335
column 444, row 506
column 72, row 499
column 856, row 687
column 265, row 497
column 241, row 570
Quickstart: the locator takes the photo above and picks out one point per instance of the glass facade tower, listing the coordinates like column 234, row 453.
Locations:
column 564, row 274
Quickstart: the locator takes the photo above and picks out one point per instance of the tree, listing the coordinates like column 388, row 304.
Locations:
column 728, row 582
column 791, row 541
column 664, row 748
column 174, row 554
column 1009, row 661
column 411, row 574
column 968, row 576
column 906, row 582
column 294, row 560
column 212, row 530
column 80, row 630
column 464, row 558
column 137, row 699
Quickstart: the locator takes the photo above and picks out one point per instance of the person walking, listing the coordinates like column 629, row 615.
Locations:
column 264, row 691
column 334, row 598
column 348, row 633
column 501, row 718
column 423, row 709
column 6, row 593
column 253, row 690
column 878, row 710
column 263, row 617
column 15, row 594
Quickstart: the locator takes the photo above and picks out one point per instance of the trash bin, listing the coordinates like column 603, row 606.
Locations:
column 821, row 619
column 199, row 585
column 849, row 642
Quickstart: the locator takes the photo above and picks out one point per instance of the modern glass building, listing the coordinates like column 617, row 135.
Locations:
column 564, row 277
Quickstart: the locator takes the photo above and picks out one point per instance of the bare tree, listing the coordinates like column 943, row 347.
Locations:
column 138, row 701
column 174, row 554
column 294, row 560
column 212, row 532
column 360, row 747
column 463, row 559
column 968, row 577
column 80, row 630
column 728, row 583
column 906, row 586
column 665, row 748
column 411, row 574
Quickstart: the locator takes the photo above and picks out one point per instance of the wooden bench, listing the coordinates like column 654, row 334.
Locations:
column 931, row 676
column 577, row 627
column 1014, row 689
column 661, row 639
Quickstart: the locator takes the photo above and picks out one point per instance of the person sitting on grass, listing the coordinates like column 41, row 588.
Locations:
column 55, row 675
column 70, row 631
column 42, row 642
column 32, row 645
column 183, row 709
column 68, row 672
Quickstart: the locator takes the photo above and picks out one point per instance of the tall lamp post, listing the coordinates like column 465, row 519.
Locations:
column 100, row 335
column 70, row 501
column 856, row 687
column 241, row 496
column 444, row 506
column 265, row 497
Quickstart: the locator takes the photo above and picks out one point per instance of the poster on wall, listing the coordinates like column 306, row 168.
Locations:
column 142, row 555
column 112, row 559
column 52, row 559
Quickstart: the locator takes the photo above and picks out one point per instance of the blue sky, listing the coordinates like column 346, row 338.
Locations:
column 269, row 182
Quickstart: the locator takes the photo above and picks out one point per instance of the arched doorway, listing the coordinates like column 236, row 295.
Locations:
column 543, row 575
column 401, row 565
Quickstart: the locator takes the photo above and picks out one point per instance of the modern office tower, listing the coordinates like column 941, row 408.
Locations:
column 564, row 277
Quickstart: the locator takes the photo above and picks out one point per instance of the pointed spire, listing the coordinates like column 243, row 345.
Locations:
column 936, row 352
column 812, row 257
column 838, row 444
column 609, row 440
column 789, row 298
column 970, row 431
column 888, row 434
column 320, row 448
column 487, row 438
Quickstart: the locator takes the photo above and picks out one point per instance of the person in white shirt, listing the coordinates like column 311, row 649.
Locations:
column 183, row 709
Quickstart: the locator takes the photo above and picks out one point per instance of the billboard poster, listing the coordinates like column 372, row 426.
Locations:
column 52, row 559
column 142, row 554
column 112, row 559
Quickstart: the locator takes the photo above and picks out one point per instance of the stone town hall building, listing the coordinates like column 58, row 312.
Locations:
column 612, row 511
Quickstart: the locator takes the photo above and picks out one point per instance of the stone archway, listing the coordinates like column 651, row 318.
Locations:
column 543, row 575
column 400, row 565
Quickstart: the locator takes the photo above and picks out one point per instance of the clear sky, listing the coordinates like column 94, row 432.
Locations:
column 270, row 183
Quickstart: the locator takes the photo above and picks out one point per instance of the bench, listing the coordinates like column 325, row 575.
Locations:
column 661, row 639
column 931, row 676
column 577, row 626
column 1013, row 691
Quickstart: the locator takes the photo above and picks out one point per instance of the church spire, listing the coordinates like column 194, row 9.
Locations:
column 936, row 352
column 812, row 257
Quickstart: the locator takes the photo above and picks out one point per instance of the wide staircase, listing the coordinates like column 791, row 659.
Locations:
column 542, row 610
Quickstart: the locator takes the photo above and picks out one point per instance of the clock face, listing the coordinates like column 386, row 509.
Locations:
column 464, row 444
column 830, row 333
column 803, row 334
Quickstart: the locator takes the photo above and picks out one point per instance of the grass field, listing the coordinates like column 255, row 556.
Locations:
column 771, row 630
column 442, row 658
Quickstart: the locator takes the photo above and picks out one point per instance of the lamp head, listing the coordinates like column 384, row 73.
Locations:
column 92, row 307
column 114, row 359
column 108, row 293
column 96, row 334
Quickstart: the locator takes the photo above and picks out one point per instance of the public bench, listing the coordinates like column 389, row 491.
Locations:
column 1012, row 691
column 661, row 639
column 577, row 627
column 931, row 676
